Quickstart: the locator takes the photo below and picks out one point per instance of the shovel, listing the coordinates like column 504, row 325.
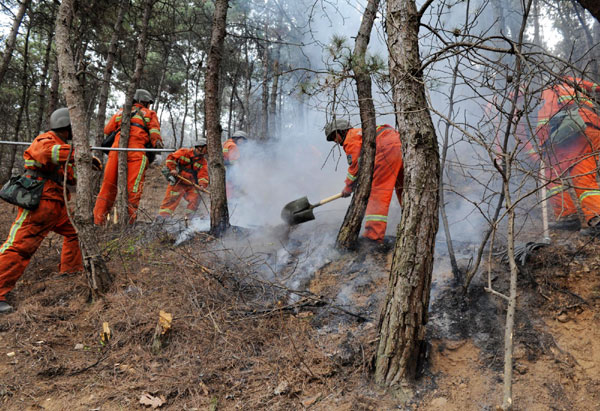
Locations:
column 196, row 186
column 300, row 211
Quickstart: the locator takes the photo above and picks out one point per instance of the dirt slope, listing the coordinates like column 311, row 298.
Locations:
column 267, row 319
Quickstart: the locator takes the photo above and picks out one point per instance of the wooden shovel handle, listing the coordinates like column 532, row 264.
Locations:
column 196, row 186
column 328, row 199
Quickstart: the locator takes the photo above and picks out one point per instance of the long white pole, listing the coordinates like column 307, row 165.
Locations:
column 156, row 150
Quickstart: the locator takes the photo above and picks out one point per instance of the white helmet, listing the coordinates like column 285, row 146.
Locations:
column 60, row 119
column 240, row 134
column 201, row 142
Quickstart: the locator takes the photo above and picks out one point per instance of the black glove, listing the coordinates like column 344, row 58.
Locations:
column 159, row 144
column 166, row 172
column 96, row 163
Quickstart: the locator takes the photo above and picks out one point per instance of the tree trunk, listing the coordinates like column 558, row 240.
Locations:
column 11, row 39
column 123, row 197
column 593, row 6
column 39, row 124
column 234, row 82
column 186, row 98
column 53, row 98
column 350, row 228
column 593, row 64
column 9, row 152
column 219, row 214
column 161, row 82
column 99, row 278
column 273, row 123
column 403, row 320
column 264, row 123
column 107, row 75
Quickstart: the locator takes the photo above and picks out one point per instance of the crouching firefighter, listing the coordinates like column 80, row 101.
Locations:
column 388, row 171
column 39, row 194
column 184, row 169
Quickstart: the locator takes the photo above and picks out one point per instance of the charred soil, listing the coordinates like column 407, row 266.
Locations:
column 277, row 322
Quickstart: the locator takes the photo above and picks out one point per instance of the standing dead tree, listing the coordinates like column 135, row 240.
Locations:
column 99, row 278
column 219, row 213
column 350, row 228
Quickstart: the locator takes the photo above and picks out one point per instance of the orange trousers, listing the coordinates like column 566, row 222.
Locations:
column 561, row 201
column 580, row 166
column 26, row 235
column 583, row 178
column 388, row 176
column 136, row 170
column 174, row 195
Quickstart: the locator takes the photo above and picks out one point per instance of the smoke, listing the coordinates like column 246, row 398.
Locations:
column 299, row 162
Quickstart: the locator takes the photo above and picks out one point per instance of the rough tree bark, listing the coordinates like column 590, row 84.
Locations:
column 99, row 278
column 123, row 196
column 350, row 229
column 219, row 213
column 108, row 68
column 402, row 323
column 12, row 38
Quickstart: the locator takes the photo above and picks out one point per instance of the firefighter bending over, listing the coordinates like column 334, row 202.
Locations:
column 569, row 132
column 388, row 172
column 189, row 164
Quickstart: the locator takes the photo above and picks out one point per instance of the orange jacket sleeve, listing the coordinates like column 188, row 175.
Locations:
column 153, row 126
column 352, row 147
column 113, row 124
column 586, row 85
column 231, row 152
column 203, row 173
column 173, row 158
column 48, row 151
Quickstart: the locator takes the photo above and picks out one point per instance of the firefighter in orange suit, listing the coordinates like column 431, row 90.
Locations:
column 231, row 154
column 565, row 211
column 388, row 172
column 45, row 158
column 568, row 129
column 190, row 164
column 144, row 129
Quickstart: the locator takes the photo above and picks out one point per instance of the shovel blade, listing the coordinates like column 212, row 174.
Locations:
column 297, row 212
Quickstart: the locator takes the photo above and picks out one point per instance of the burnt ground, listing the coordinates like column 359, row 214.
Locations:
column 271, row 319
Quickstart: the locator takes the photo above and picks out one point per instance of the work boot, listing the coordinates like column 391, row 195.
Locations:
column 567, row 224
column 594, row 228
column 5, row 307
column 161, row 219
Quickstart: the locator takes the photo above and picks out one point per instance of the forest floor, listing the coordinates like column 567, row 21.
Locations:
column 269, row 318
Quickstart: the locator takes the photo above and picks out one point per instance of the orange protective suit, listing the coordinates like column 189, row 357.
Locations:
column 191, row 167
column 231, row 154
column 575, row 156
column 559, row 198
column 144, row 128
column 47, row 155
column 388, row 175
